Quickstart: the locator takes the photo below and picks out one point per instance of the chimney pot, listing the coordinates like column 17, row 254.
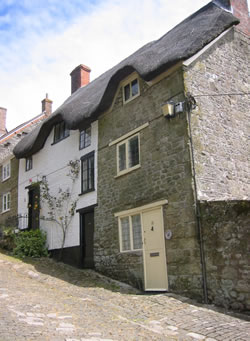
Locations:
column 79, row 77
column 3, row 112
column 47, row 105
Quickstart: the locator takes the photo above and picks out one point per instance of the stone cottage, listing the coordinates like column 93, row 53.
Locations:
column 9, row 165
column 172, row 208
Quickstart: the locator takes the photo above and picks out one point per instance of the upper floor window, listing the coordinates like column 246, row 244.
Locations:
column 128, row 155
column 131, row 90
column 85, row 138
column 6, row 202
column 87, row 173
column 6, row 171
column 130, row 233
column 28, row 163
column 60, row 132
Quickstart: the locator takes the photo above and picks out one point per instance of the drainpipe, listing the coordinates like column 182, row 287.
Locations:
column 191, row 104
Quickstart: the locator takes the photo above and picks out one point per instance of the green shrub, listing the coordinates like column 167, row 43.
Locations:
column 30, row 244
column 7, row 238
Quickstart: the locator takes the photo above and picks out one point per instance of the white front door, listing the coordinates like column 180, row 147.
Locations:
column 155, row 265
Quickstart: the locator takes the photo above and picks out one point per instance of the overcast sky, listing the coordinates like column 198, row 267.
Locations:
column 42, row 41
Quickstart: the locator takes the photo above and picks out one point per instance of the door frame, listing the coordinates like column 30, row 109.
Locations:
column 164, row 251
column 81, row 212
column 33, row 219
column 140, row 210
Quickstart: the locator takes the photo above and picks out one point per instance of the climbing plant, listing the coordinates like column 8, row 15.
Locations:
column 61, row 205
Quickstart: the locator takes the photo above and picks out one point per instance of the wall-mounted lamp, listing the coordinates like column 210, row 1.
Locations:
column 168, row 109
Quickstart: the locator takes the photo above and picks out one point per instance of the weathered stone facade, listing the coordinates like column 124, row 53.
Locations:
column 226, row 230
column 165, row 173
column 217, row 78
column 220, row 124
column 9, row 218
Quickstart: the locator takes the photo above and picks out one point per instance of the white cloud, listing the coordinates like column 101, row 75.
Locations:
column 41, row 59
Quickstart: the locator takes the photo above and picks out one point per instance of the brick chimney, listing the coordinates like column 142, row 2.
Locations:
column 3, row 121
column 239, row 9
column 79, row 77
column 47, row 105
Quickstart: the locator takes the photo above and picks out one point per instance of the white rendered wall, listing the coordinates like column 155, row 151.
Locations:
column 51, row 161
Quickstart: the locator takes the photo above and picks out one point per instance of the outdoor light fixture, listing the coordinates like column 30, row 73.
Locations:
column 168, row 109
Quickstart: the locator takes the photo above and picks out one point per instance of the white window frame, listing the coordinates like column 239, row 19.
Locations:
column 127, row 169
column 6, row 202
column 128, row 82
column 132, row 249
column 136, row 211
column 6, row 169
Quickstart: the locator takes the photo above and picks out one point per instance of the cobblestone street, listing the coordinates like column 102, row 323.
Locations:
column 62, row 303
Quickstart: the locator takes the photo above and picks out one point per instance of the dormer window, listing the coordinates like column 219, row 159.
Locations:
column 60, row 132
column 131, row 90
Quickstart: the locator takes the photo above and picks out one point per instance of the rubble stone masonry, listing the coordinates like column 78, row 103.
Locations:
column 226, row 227
column 165, row 173
column 9, row 218
column 219, row 81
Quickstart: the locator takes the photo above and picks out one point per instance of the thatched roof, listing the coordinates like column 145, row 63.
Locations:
column 183, row 41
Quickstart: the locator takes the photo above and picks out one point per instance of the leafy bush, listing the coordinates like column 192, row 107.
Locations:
column 7, row 238
column 31, row 244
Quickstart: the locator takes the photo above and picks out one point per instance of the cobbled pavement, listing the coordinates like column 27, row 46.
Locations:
column 40, row 306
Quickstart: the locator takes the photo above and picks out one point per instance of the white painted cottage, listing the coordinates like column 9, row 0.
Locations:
column 51, row 162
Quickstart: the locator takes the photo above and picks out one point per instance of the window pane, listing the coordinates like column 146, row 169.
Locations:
column 7, row 170
column 91, row 173
column 82, row 139
column 135, row 87
column 133, row 151
column 85, row 138
column 122, row 157
column 126, row 92
column 4, row 203
column 65, row 130
column 8, row 201
column 88, row 137
column 84, row 175
column 136, row 226
column 125, row 234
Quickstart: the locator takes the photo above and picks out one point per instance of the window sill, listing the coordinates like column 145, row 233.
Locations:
column 5, row 211
column 81, row 148
column 130, row 99
column 55, row 142
column 126, row 171
column 85, row 192
column 132, row 251
column 3, row 180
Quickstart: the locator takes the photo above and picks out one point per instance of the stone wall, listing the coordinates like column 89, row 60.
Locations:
column 220, row 123
column 165, row 173
column 8, row 218
column 226, row 228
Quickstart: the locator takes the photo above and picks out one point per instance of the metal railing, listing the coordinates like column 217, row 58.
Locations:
column 23, row 221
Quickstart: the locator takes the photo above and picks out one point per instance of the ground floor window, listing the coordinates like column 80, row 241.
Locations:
column 130, row 233
column 6, row 202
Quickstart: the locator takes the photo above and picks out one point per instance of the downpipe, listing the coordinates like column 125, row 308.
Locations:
column 191, row 105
